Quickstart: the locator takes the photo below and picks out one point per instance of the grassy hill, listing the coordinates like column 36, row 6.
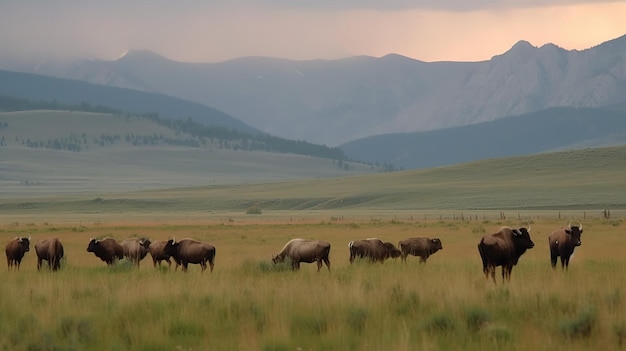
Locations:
column 200, row 182
column 117, row 153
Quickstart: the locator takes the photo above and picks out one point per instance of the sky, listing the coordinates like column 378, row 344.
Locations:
column 219, row 30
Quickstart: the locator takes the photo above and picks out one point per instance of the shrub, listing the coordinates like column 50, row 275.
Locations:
column 581, row 325
column 476, row 318
column 440, row 323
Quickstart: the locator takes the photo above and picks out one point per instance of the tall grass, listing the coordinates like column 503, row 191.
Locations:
column 248, row 304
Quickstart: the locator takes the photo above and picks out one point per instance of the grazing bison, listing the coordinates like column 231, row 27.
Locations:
column 373, row 249
column 135, row 249
column 422, row 247
column 503, row 248
column 51, row 251
column 563, row 242
column 108, row 250
column 15, row 251
column 158, row 254
column 191, row 251
column 303, row 250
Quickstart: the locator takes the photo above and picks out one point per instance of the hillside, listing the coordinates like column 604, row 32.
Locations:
column 336, row 101
column 74, row 92
column 61, row 152
column 543, row 131
column 589, row 179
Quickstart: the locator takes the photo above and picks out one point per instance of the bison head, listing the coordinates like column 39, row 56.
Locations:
column 24, row 243
column 522, row 238
column 171, row 246
column 575, row 232
column 437, row 243
column 277, row 259
column 93, row 244
column 145, row 242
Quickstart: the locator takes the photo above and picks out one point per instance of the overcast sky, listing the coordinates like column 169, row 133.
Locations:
column 218, row 30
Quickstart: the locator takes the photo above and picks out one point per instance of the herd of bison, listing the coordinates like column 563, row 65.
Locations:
column 503, row 248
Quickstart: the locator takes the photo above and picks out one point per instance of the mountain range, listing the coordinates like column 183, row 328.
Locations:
column 337, row 101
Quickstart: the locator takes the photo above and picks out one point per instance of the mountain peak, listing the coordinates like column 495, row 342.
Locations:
column 140, row 54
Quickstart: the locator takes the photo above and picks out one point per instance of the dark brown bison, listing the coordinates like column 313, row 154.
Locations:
column 422, row 247
column 135, row 249
column 503, row 248
column 51, row 251
column 373, row 249
column 15, row 251
column 158, row 254
column 563, row 242
column 108, row 250
column 304, row 250
column 191, row 251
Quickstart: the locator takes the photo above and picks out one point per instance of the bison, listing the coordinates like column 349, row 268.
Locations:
column 503, row 248
column 15, row 251
column 135, row 249
column 108, row 250
column 304, row 250
column 374, row 249
column 51, row 251
column 191, row 251
column 563, row 242
column 158, row 254
column 422, row 247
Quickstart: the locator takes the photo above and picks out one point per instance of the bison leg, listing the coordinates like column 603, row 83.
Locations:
column 319, row 264
column 39, row 263
column 565, row 262
column 327, row 261
column 553, row 258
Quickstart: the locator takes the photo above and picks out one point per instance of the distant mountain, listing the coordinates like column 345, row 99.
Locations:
column 65, row 91
column 335, row 101
column 553, row 129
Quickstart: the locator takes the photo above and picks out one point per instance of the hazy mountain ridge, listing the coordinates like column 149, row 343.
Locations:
column 336, row 101
column 558, row 128
column 67, row 91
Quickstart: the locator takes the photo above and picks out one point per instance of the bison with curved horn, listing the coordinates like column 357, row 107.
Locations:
column 503, row 248
column 563, row 242
column 135, row 249
column 189, row 251
column 51, row 251
column 304, row 250
column 15, row 251
column 422, row 247
column 107, row 249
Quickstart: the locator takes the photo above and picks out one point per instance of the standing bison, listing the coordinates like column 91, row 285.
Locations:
column 135, row 249
column 158, row 253
column 304, row 250
column 563, row 242
column 51, row 251
column 503, row 248
column 15, row 251
column 108, row 250
column 373, row 249
column 191, row 251
column 422, row 247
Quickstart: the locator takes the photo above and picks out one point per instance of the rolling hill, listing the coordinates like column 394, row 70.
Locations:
column 63, row 152
column 37, row 87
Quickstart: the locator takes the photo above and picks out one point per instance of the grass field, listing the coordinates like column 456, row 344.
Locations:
column 248, row 304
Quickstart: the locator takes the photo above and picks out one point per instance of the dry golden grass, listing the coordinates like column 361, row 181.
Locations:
column 248, row 304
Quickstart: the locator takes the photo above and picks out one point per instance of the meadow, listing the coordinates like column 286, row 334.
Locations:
column 249, row 304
